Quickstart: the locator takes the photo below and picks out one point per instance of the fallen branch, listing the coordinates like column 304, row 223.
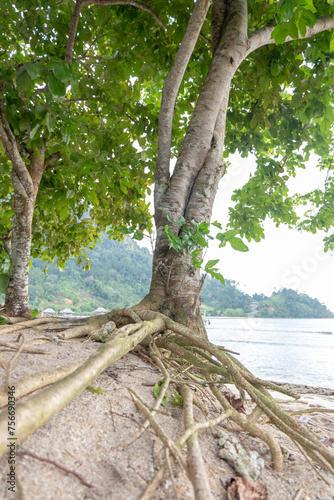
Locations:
column 13, row 347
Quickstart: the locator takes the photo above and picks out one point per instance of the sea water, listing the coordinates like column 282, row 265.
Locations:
column 299, row 351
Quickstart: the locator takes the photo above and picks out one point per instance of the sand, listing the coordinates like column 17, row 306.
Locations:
column 89, row 437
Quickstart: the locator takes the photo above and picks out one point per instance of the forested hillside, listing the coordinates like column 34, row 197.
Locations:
column 120, row 274
column 290, row 304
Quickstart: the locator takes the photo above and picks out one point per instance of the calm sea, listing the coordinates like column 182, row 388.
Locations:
column 299, row 351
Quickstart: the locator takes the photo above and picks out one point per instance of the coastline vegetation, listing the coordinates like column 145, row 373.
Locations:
column 120, row 274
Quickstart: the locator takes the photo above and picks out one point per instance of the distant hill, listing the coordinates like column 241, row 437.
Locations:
column 120, row 276
column 290, row 304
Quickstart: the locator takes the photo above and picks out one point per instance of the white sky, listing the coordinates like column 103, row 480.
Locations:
column 285, row 258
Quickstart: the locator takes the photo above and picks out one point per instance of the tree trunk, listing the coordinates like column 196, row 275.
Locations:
column 190, row 192
column 17, row 296
column 175, row 288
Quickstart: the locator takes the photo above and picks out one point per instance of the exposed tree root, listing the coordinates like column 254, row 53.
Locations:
column 13, row 347
column 27, row 324
column 195, row 461
column 11, row 362
column 186, row 361
column 22, row 452
column 37, row 410
column 30, row 384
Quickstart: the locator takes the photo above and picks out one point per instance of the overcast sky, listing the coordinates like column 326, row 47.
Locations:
column 285, row 258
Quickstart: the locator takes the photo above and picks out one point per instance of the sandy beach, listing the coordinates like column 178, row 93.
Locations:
column 90, row 437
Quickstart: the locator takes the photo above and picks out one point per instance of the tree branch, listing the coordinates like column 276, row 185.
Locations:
column 212, row 101
column 51, row 159
column 168, row 98
column 217, row 21
column 76, row 16
column 263, row 35
column 9, row 143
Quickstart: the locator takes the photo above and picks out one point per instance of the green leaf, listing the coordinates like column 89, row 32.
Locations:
column 22, row 80
column 238, row 244
column 123, row 188
column 285, row 8
column 331, row 43
column 63, row 72
column 34, row 70
column 3, row 283
column 95, row 391
column 292, row 29
column 309, row 18
column 3, row 321
column 63, row 213
column 177, row 399
column 280, row 33
column 35, row 131
column 196, row 253
column 34, row 313
column 211, row 263
column 40, row 112
column 24, row 123
column 50, row 122
column 156, row 391
column 216, row 276
column 56, row 86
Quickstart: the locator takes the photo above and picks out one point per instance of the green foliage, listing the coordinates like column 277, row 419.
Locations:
column 34, row 313
column 90, row 114
column 119, row 276
column 235, row 313
column 3, row 283
column 156, row 391
column 194, row 237
column 221, row 298
column 93, row 113
column 177, row 399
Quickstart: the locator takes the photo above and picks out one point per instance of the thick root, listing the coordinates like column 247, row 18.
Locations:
column 37, row 410
column 30, row 384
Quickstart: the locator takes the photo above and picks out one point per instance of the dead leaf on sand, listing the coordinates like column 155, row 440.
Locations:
column 244, row 488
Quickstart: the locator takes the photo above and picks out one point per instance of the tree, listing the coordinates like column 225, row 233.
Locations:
column 268, row 56
column 64, row 142
column 274, row 110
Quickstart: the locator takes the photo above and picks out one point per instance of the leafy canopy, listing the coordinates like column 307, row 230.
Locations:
column 93, row 113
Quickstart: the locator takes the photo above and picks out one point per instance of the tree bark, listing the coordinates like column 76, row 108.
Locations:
column 17, row 296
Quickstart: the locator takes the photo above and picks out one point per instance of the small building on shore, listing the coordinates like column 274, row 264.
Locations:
column 66, row 313
column 100, row 310
column 48, row 313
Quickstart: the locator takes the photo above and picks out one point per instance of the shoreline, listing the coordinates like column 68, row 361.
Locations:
column 306, row 389
column 256, row 317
